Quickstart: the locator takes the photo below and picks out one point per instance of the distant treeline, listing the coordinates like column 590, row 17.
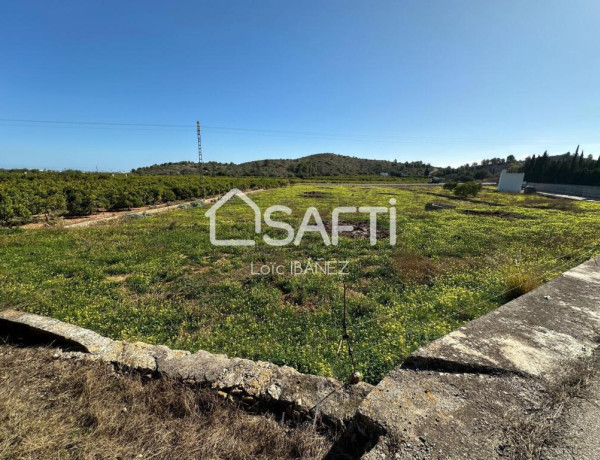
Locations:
column 320, row 165
column 564, row 169
column 330, row 165
column 26, row 194
column 373, row 178
column 487, row 169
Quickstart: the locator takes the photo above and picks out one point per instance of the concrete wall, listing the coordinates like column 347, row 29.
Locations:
column 510, row 182
column 454, row 398
column 585, row 191
column 302, row 396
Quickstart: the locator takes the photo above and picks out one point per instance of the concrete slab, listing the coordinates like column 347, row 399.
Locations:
column 577, row 431
column 434, row 415
column 29, row 325
column 533, row 335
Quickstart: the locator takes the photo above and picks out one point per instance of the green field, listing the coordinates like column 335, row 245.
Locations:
column 158, row 279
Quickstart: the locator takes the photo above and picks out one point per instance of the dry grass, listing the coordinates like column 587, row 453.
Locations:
column 519, row 283
column 82, row 410
column 528, row 436
column 415, row 268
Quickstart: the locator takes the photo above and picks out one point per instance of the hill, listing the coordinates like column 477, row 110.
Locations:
column 565, row 168
column 322, row 164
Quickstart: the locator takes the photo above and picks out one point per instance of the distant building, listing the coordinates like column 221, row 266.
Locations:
column 510, row 182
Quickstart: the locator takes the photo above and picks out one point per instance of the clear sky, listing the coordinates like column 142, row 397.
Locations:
column 442, row 81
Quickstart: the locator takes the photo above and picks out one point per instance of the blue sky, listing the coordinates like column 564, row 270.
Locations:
column 441, row 81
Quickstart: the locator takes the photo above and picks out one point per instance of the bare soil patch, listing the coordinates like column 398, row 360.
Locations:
column 361, row 229
column 462, row 198
column 315, row 194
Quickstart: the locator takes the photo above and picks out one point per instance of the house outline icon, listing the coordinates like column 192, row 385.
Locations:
column 212, row 215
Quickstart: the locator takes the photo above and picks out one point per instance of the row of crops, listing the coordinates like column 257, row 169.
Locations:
column 27, row 195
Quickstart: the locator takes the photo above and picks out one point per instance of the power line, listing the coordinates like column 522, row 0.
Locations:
column 129, row 128
column 103, row 123
column 441, row 140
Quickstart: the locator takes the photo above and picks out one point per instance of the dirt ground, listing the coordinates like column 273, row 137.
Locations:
column 70, row 409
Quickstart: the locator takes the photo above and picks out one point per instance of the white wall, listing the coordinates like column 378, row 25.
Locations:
column 510, row 182
column 584, row 191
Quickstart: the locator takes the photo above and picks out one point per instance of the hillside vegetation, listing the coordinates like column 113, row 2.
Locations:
column 322, row 164
column 560, row 169
column 330, row 165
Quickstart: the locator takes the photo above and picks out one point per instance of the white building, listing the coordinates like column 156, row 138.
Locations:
column 510, row 182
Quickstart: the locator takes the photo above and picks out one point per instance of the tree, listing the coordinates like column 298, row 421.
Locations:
column 481, row 174
column 54, row 205
column 79, row 203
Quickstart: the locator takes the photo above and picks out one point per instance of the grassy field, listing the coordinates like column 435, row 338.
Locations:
column 159, row 280
column 364, row 178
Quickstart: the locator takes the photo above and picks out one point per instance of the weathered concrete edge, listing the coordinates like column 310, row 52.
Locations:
column 300, row 395
column 532, row 335
column 551, row 328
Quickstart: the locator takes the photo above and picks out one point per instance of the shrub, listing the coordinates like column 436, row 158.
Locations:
column 168, row 195
column 53, row 205
column 450, row 185
column 467, row 189
column 12, row 209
